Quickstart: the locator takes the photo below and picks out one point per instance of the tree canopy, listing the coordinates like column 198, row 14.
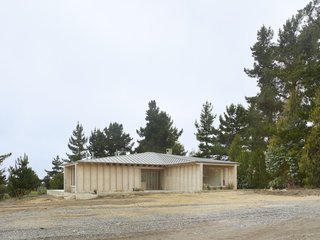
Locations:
column 117, row 141
column 159, row 133
column 97, row 144
column 287, row 73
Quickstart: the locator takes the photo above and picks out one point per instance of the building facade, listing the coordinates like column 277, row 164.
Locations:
column 148, row 171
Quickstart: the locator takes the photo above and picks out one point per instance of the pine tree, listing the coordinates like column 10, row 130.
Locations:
column 247, row 148
column 178, row 149
column 233, row 122
column 56, row 166
column 268, row 100
column 287, row 73
column 206, row 133
column 97, row 144
column 285, row 147
column 3, row 176
column 310, row 160
column 117, row 141
column 3, row 157
column 22, row 179
column 236, row 153
column 77, row 144
column 159, row 133
column 54, row 178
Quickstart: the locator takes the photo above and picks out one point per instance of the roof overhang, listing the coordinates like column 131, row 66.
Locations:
column 70, row 164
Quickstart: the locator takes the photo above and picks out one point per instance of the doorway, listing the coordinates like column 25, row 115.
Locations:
column 151, row 179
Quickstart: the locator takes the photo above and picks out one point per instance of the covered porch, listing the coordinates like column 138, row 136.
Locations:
column 70, row 178
column 219, row 176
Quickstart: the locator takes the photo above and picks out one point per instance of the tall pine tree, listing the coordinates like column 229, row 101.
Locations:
column 310, row 160
column 97, row 144
column 287, row 72
column 233, row 122
column 159, row 132
column 206, row 133
column 77, row 143
column 56, row 166
column 285, row 147
column 268, row 100
column 117, row 141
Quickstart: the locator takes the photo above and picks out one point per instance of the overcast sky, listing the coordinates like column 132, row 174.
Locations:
column 98, row 62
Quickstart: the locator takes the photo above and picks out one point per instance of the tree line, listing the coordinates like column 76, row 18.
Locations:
column 280, row 143
column 275, row 138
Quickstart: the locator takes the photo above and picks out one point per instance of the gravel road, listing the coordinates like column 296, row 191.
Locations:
column 213, row 215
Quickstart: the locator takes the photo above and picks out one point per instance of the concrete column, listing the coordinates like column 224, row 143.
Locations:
column 75, row 178
column 235, row 180
column 201, row 176
column 64, row 178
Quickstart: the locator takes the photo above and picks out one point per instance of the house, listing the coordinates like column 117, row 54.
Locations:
column 148, row 171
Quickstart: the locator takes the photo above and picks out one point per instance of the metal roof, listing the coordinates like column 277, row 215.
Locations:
column 151, row 158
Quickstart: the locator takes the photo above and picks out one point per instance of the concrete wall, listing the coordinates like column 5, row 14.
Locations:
column 184, row 178
column 105, row 178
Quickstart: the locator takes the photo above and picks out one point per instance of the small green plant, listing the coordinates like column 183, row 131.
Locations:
column 6, row 196
column 230, row 186
column 206, row 187
column 41, row 190
column 31, row 194
column 277, row 183
column 137, row 189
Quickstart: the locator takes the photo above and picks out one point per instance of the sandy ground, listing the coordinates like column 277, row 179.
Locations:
column 211, row 215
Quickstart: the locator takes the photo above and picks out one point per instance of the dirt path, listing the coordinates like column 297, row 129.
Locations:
column 212, row 215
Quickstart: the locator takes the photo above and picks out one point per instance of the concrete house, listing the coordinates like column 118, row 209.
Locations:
column 148, row 171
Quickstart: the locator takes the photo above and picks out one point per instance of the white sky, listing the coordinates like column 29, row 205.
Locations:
column 98, row 62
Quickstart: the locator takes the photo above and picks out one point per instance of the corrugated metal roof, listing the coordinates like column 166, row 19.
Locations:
column 150, row 158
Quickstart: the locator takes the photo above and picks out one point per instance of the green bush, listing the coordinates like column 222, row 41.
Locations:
column 57, row 181
column 22, row 179
column 42, row 190
column 2, row 191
